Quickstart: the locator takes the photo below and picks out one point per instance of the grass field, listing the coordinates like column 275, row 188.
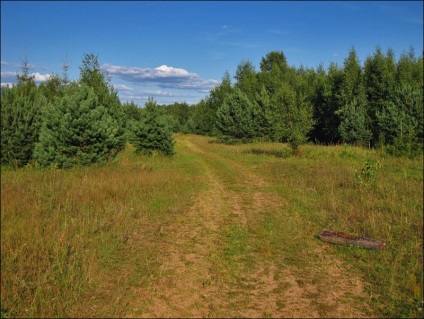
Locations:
column 216, row 231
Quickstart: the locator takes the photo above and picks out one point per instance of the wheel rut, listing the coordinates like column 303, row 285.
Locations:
column 192, row 284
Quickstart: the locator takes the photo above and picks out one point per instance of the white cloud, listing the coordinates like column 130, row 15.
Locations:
column 164, row 93
column 135, row 93
column 128, row 93
column 11, row 77
column 7, row 84
column 40, row 77
column 163, row 76
column 122, row 87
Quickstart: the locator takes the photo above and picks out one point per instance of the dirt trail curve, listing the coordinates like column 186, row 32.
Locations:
column 190, row 285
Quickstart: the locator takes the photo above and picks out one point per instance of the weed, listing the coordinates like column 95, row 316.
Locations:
column 367, row 176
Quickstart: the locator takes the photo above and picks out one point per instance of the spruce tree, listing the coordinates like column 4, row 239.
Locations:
column 77, row 130
column 152, row 132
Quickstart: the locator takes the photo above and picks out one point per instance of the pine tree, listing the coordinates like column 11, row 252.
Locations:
column 401, row 122
column 202, row 119
column 246, row 78
column 21, row 108
column 264, row 116
column 152, row 132
column 92, row 76
column 51, row 88
column 294, row 115
column 354, row 122
column 379, row 76
column 328, row 122
column 77, row 130
column 405, row 68
column 353, row 129
column 301, row 123
column 235, row 118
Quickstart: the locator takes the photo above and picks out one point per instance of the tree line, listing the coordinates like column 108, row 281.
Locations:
column 62, row 123
column 66, row 123
column 377, row 104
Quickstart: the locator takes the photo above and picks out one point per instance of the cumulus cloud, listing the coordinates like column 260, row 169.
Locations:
column 129, row 93
column 7, row 84
column 136, row 94
column 11, row 77
column 163, row 76
column 40, row 77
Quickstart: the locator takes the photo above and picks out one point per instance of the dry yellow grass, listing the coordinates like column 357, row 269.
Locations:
column 67, row 234
column 85, row 242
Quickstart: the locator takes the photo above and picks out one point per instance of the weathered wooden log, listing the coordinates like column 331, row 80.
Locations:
column 345, row 239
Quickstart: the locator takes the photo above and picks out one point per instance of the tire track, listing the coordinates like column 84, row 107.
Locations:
column 191, row 284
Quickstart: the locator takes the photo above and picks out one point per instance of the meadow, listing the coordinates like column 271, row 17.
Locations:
column 231, row 220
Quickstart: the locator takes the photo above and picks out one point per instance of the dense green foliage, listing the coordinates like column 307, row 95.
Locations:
column 20, row 119
column 77, row 130
column 64, row 124
column 375, row 104
column 152, row 131
column 235, row 118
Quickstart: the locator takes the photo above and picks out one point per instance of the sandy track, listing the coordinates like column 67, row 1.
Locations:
column 190, row 286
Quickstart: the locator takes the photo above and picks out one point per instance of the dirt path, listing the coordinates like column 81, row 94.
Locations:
column 194, row 284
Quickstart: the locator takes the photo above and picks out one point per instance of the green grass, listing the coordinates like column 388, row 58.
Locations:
column 322, row 192
column 75, row 239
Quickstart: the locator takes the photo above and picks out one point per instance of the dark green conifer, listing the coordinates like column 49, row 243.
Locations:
column 235, row 118
column 152, row 132
column 77, row 130
column 21, row 108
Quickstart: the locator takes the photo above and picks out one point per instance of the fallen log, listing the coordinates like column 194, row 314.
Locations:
column 342, row 238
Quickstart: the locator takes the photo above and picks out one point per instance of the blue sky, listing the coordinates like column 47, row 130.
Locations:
column 178, row 51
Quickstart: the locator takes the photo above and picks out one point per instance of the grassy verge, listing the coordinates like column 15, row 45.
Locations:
column 79, row 242
column 86, row 236
column 331, row 187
